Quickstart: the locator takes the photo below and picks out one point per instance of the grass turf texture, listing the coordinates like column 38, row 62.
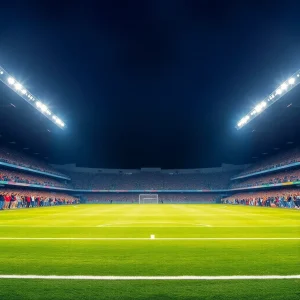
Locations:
column 149, row 257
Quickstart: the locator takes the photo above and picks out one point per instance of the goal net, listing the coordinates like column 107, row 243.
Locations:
column 148, row 198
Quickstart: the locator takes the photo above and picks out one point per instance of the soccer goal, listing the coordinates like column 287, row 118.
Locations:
column 148, row 198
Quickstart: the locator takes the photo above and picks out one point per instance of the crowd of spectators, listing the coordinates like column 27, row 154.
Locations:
column 272, row 178
column 274, row 161
column 111, row 198
column 289, row 198
column 151, row 181
column 162, row 198
column 30, row 178
column 188, row 198
column 205, row 181
column 11, row 156
column 115, row 181
column 12, row 198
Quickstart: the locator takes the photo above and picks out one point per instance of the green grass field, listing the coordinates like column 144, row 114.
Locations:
column 189, row 240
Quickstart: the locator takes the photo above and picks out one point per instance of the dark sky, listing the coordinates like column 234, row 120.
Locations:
column 150, row 83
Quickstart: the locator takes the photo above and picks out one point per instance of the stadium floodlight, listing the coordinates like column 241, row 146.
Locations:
column 259, row 107
column 48, row 112
column 58, row 121
column 11, row 80
column 292, row 80
column 280, row 91
column 243, row 121
column 18, row 88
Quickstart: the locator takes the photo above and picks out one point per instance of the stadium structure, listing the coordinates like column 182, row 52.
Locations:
column 73, row 224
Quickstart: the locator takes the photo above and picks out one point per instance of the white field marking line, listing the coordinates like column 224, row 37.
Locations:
column 151, row 224
column 195, row 226
column 90, row 277
column 141, row 238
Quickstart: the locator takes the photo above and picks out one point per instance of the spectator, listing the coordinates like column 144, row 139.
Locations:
column 273, row 178
column 1, row 201
column 280, row 198
column 17, row 198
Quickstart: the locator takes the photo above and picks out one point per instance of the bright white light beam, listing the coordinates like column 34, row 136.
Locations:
column 280, row 91
column 18, row 88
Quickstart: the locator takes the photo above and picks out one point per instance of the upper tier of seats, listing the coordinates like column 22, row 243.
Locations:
column 151, row 181
column 30, row 178
column 271, row 178
column 146, row 180
column 13, row 157
column 274, row 161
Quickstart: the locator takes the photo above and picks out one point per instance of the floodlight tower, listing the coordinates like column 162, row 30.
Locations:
column 284, row 88
column 19, row 89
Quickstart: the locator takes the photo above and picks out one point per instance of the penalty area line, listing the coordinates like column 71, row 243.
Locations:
column 87, row 277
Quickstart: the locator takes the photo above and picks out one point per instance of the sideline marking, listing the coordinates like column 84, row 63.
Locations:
column 87, row 277
column 115, row 226
column 140, row 238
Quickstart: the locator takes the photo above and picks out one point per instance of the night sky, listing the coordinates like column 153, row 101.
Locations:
column 150, row 83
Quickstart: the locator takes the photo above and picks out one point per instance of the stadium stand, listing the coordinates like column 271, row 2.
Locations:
column 288, row 198
column 23, row 198
column 278, row 160
column 217, row 179
column 151, row 181
column 272, row 178
column 10, row 156
column 27, row 178
column 207, row 181
column 163, row 198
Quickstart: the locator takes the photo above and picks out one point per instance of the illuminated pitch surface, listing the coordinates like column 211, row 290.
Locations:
column 267, row 243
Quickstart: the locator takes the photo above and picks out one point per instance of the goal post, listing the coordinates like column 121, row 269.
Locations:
column 148, row 198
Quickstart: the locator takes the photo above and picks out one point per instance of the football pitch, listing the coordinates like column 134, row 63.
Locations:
column 153, row 251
